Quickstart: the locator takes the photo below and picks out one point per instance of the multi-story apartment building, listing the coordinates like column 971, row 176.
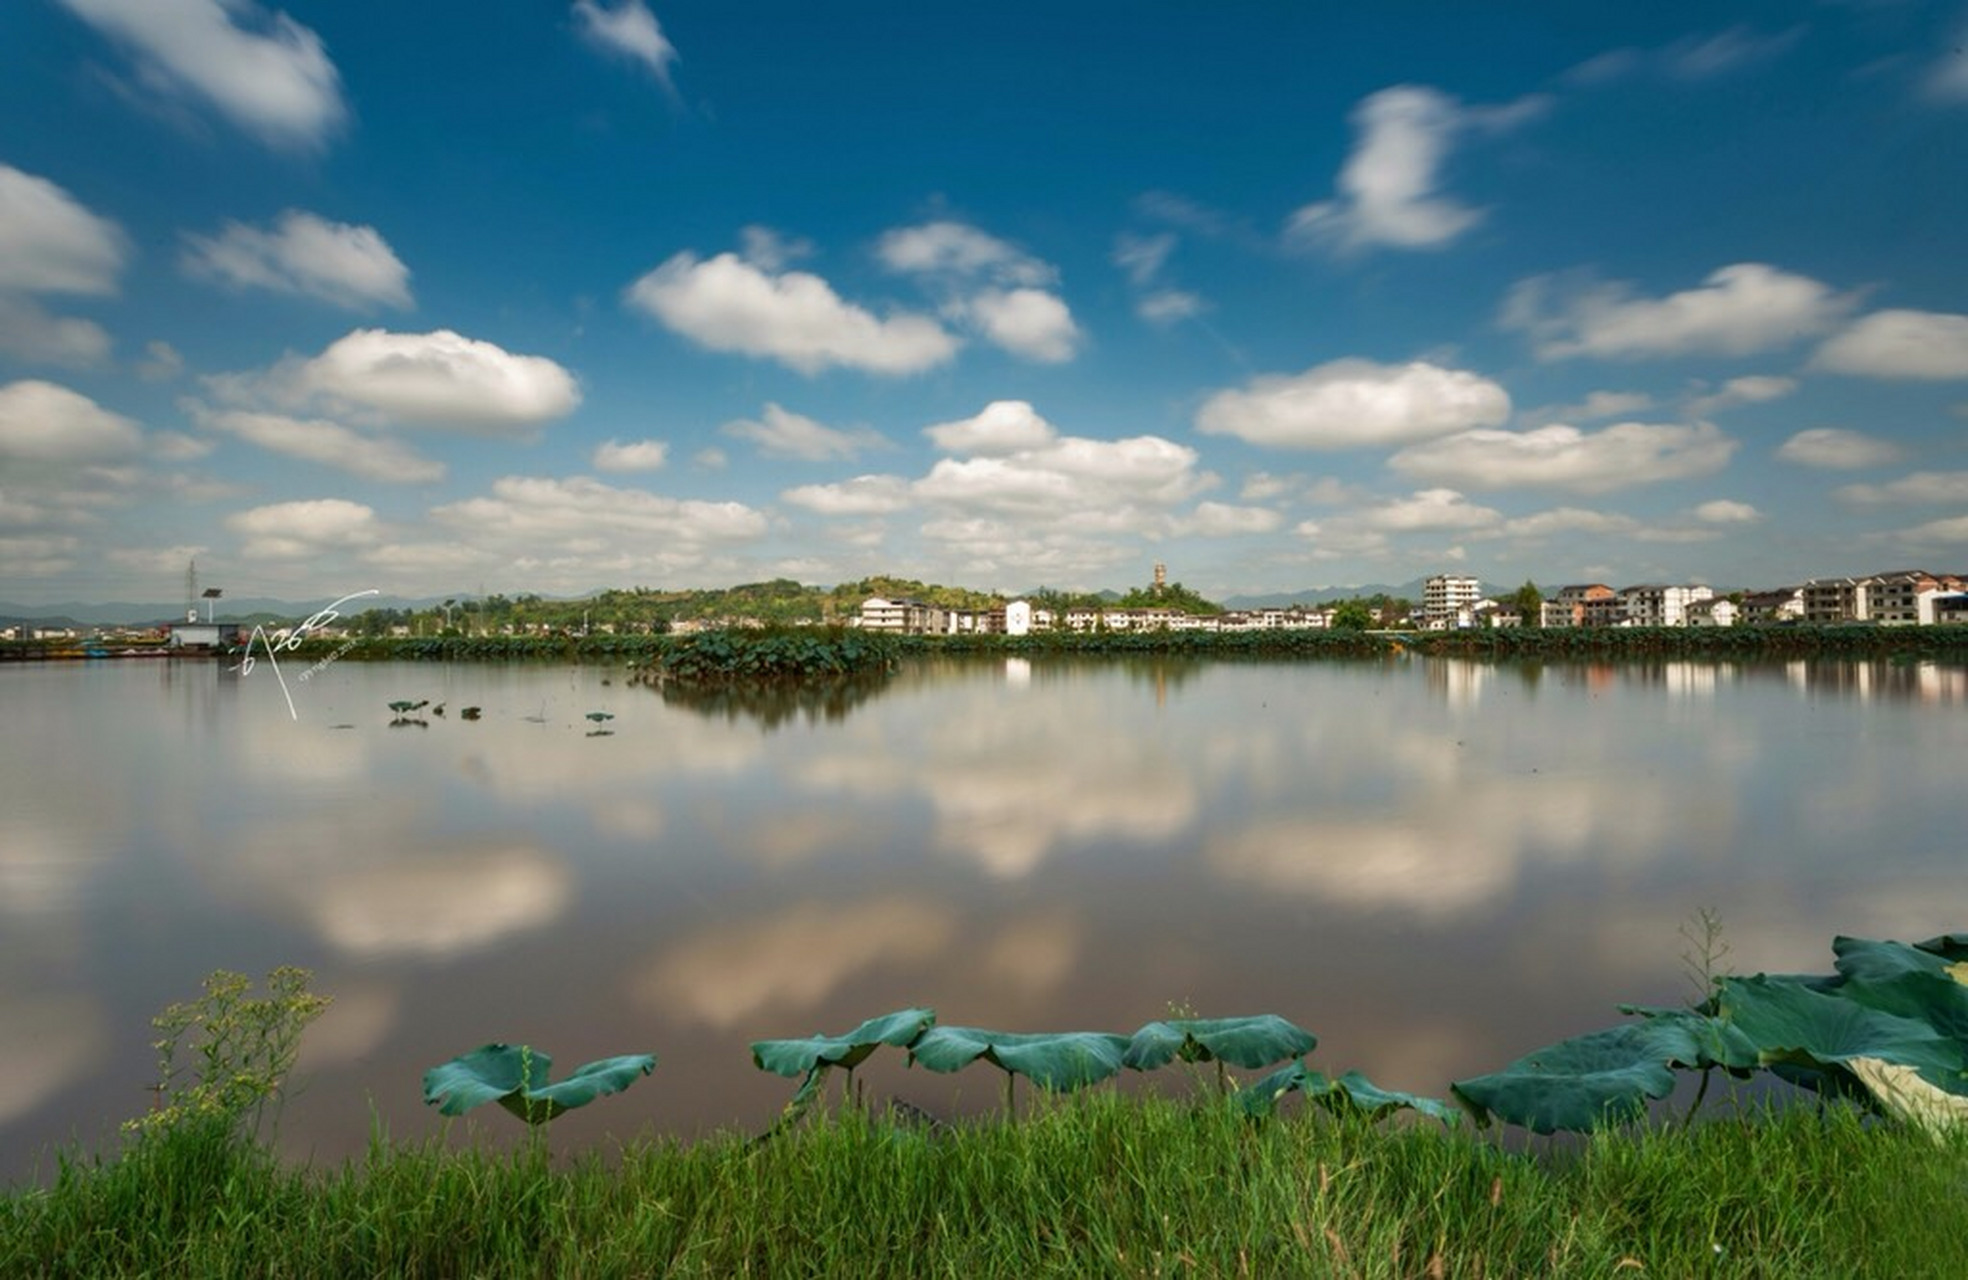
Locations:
column 1906, row 596
column 1785, row 604
column 1570, row 605
column 1654, row 605
column 911, row 616
column 1834, row 600
column 1446, row 599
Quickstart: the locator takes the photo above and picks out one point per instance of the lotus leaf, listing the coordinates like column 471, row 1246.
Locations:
column 799, row 1057
column 1580, row 1083
column 1252, row 1042
column 1952, row 947
column 1792, row 1023
column 1351, row 1092
column 507, row 1074
column 1063, row 1060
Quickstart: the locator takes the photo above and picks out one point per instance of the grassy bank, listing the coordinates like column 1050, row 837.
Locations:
column 1098, row 1185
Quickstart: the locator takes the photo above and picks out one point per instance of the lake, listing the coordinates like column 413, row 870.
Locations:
column 1435, row 865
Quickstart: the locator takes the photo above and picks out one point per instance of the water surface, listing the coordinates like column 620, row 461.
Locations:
column 1435, row 865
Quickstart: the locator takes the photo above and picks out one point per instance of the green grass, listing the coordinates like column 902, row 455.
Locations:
column 1099, row 1185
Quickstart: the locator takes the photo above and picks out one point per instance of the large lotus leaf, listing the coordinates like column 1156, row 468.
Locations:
column 1718, row 1043
column 1952, row 947
column 1793, row 1023
column 799, row 1057
column 1903, row 980
column 1256, row 1041
column 1901, row 1092
column 515, row 1077
column 1580, row 1083
column 1061, row 1060
column 1351, row 1092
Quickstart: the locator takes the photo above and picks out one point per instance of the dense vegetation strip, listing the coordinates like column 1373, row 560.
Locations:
column 1095, row 1185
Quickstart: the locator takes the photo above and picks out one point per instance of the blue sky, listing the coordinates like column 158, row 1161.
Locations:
column 435, row 298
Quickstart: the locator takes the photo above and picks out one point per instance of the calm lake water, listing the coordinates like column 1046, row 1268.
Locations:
column 1434, row 865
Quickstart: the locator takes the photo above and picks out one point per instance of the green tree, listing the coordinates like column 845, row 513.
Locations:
column 1352, row 615
column 1528, row 601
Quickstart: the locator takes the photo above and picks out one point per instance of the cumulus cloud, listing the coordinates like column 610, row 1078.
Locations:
column 439, row 379
column 631, row 31
column 45, row 422
column 1834, row 449
column 1564, row 457
column 29, row 333
column 1224, row 520
column 1950, row 532
column 293, row 530
column 1755, row 389
column 782, row 434
column 264, row 71
column 1005, row 427
column 329, row 443
column 959, row 250
column 1069, row 477
column 50, row 243
column 1353, row 403
column 729, row 304
column 861, row 496
column 1738, row 310
column 1724, row 511
column 41, row 557
column 1919, row 488
column 987, row 283
column 1388, row 187
column 306, row 255
column 542, row 517
column 1900, row 344
column 1026, row 322
column 1596, row 405
column 1428, row 511
column 638, row 455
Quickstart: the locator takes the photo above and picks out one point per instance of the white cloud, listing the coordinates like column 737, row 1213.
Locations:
column 1005, row 427
column 1919, row 488
column 1026, row 322
column 782, row 434
column 861, row 496
column 1947, row 79
column 770, row 251
column 37, row 557
column 1754, row 389
column 161, row 362
column 1738, row 310
column 176, row 446
column 1223, row 520
column 304, row 254
column 728, row 304
column 1109, row 482
column 49, row 243
column 1596, row 405
column 1428, row 511
column 1166, row 306
column 1900, row 344
column 293, row 530
column 1387, row 189
column 1564, row 457
column 1724, row 511
column 45, row 422
column 269, row 74
column 329, row 443
column 155, row 561
column 638, row 455
column 1834, row 449
column 957, row 249
column 439, row 379
column 1704, row 58
column 30, row 334
column 631, row 30
column 1352, row 403
column 1950, row 532
column 584, row 516
column 1142, row 257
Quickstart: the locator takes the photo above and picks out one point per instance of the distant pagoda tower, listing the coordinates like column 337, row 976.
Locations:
column 1161, row 577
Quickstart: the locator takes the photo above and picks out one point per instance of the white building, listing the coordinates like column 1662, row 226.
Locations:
column 1654, row 605
column 1717, row 612
column 1445, row 600
column 911, row 617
